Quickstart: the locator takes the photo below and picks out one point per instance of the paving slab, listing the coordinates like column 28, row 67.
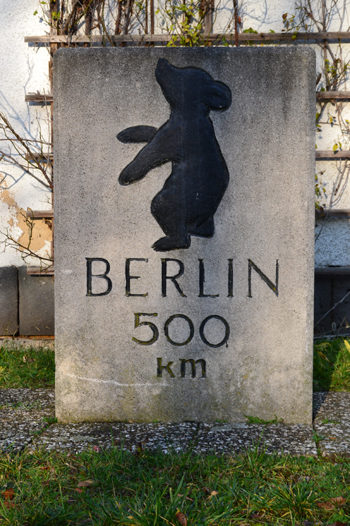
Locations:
column 27, row 399
column 276, row 438
column 129, row 436
column 332, row 423
column 19, row 344
column 22, row 414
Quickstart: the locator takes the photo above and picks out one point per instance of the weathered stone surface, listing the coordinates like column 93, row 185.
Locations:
column 36, row 307
column 262, row 364
column 8, row 301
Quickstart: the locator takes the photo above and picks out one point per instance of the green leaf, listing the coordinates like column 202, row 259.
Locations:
column 35, row 12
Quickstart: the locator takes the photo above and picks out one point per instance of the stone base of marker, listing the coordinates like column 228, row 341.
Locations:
column 184, row 253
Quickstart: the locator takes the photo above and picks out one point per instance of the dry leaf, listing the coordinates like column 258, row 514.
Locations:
column 181, row 518
column 8, row 504
column 187, row 498
column 78, row 490
column 338, row 500
column 85, row 483
column 327, row 506
column 337, row 523
column 9, row 494
column 212, row 494
column 45, row 468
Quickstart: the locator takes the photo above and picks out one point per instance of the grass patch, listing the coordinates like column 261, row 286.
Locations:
column 28, row 368
column 117, row 487
column 332, row 365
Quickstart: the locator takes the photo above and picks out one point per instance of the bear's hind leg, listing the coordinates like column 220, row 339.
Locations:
column 171, row 243
column 169, row 218
column 205, row 229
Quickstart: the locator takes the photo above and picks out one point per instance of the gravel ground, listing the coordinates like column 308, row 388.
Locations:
column 25, row 415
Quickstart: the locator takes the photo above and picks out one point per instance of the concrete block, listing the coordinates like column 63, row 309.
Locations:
column 8, row 301
column 36, row 305
column 183, row 274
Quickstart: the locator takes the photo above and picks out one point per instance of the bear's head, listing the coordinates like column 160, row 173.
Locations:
column 191, row 89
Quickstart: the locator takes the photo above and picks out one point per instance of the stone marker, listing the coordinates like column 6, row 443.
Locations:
column 184, row 208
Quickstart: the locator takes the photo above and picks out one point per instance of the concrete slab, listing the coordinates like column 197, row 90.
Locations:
column 131, row 437
column 275, row 438
column 8, row 301
column 214, row 319
column 36, row 307
column 22, row 413
column 26, row 399
column 18, row 344
column 332, row 423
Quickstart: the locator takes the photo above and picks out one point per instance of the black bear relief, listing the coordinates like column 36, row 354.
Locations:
column 187, row 203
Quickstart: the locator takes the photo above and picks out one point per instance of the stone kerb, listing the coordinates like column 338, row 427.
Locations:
column 184, row 234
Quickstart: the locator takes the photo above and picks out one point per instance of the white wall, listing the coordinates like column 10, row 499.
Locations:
column 23, row 69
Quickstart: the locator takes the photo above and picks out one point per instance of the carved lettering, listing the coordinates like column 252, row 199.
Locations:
column 160, row 368
column 203, row 337
column 90, row 275
column 149, row 324
column 193, row 367
column 166, row 329
column 165, row 276
column 128, row 277
column 269, row 283
column 201, row 282
column 230, row 278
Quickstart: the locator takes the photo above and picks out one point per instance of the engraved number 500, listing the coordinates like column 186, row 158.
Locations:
column 155, row 331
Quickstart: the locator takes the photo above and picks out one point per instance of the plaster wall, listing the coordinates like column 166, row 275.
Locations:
column 24, row 69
